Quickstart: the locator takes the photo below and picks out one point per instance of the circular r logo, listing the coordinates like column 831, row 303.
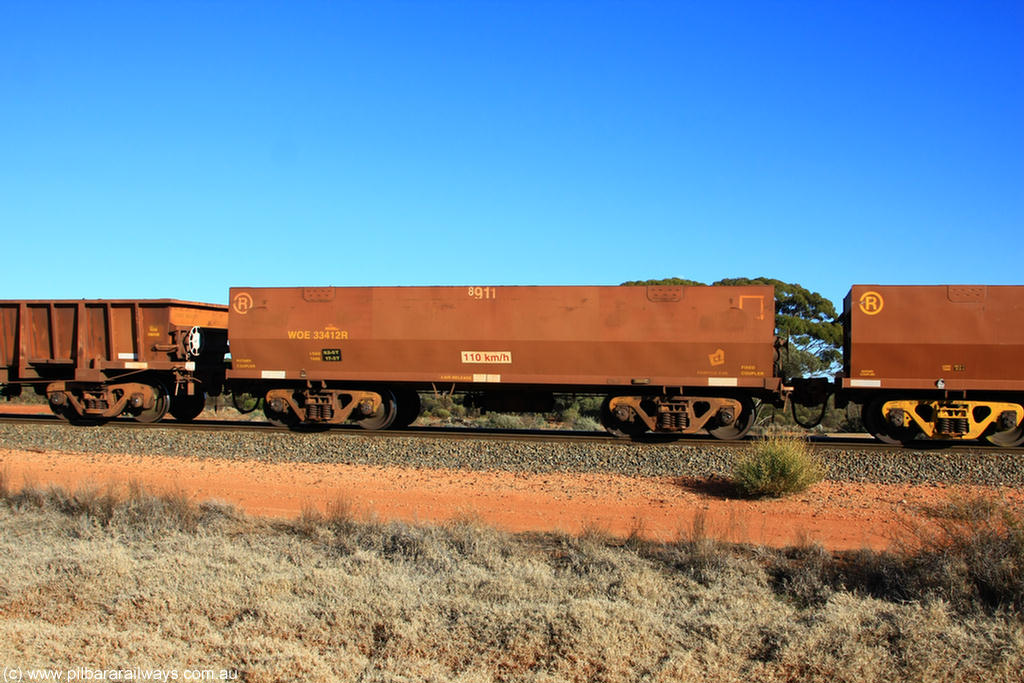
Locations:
column 242, row 303
column 871, row 303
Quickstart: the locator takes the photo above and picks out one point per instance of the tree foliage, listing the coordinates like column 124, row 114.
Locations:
column 674, row 281
column 807, row 319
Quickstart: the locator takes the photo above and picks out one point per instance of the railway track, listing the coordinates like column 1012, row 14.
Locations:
column 819, row 442
column 422, row 449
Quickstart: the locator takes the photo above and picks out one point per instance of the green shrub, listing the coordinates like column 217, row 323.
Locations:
column 778, row 465
column 587, row 424
column 846, row 419
column 578, row 412
column 503, row 421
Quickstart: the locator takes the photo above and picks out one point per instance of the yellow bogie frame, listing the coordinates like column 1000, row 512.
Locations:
column 949, row 419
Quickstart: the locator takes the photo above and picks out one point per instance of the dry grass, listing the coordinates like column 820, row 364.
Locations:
column 109, row 578
column 971, row 554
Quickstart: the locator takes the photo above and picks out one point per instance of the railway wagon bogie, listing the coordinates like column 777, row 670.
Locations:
column 370, row 409
column 360, row 353
column 901, row 419
column 95, row 402
column 722, row 418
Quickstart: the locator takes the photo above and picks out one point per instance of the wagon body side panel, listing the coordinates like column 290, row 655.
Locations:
column 559, row 336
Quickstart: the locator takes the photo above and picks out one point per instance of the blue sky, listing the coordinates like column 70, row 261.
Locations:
column 176, row 149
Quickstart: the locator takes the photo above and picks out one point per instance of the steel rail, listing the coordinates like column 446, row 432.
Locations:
column 818, row 442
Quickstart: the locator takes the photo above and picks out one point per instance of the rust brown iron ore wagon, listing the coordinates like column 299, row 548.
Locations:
column 943, row 361
column 671, row 359
column 97, row 359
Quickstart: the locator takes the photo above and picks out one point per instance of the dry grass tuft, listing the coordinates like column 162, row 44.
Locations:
column 807, row 575
column 637, row 533
column 972, row 554
column 595, row 531
column 341, row 513
column 971, row 508
column 309, row 521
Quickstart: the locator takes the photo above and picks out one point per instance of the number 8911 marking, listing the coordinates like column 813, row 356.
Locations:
column 480, row 293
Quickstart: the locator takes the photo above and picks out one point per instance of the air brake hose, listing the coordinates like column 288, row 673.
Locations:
column 810, row 425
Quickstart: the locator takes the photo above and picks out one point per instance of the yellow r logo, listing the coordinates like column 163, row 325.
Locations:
column 242, row 303
column 871, row 303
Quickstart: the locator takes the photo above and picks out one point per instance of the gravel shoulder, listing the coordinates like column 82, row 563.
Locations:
column 681, row 458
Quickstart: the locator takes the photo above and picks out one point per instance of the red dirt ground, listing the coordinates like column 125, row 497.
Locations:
column 838, row 515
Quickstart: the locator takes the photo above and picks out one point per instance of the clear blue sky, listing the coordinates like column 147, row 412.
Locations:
column 175, row 149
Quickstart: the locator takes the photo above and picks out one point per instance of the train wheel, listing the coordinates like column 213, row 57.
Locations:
column 408, row 408
column 1007, row 439
column 622, row 429
column 385, row 415
column 187, row 408
column 161, row 403
column 71, row 416
column 881, row 429
column 83, row 420
column 279, row 413
column 61, row 411
column 68, row 413
column 740, row 426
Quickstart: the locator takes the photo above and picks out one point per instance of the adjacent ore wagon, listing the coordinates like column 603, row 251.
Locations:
column 97, row 359
column 669, row 359
column 944, row 361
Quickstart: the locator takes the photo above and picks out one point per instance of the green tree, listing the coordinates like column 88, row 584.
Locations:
column 809, row 322
column 675, row 281
column 807, row 319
